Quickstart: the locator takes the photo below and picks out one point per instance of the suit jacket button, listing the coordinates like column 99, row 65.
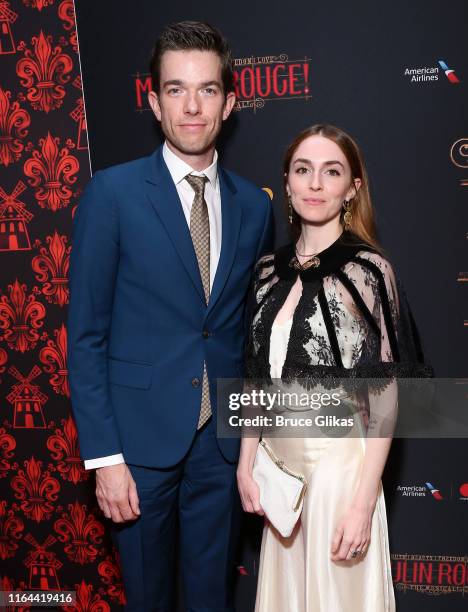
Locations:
column 195, row 382
column 206, row 334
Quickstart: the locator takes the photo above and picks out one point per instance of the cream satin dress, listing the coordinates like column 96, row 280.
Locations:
column 296, row 574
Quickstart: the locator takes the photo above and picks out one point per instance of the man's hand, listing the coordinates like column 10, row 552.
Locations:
column 116, row 493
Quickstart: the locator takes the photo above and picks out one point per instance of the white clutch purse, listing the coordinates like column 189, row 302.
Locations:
column 281, row 490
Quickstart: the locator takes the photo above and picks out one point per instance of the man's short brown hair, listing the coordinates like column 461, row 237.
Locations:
column 187, row 36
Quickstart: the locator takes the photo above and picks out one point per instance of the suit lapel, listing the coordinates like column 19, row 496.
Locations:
column 162, row 194
column 231, row 214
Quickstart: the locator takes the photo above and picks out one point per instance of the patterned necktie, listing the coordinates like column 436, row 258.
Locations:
column 200, row 232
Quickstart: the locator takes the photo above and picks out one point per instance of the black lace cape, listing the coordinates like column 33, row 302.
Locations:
column 390, row 345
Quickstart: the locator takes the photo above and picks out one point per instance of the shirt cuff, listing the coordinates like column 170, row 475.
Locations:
column 104, row 461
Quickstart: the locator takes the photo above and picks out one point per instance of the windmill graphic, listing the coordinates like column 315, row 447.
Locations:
column 78, row 115
column 7, row 17
column 27, row 400
column 14, row 218
column 42, row 565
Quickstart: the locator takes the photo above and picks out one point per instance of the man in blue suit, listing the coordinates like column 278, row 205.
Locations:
column 163, row 250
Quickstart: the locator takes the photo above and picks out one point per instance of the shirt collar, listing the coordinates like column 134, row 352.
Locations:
column 179, row 169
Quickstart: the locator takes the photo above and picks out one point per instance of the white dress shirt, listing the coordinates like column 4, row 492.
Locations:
column 179, row 170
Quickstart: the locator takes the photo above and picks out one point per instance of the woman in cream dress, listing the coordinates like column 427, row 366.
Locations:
column 328, row 307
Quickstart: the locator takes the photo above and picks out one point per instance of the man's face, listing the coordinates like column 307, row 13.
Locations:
column 191, row 105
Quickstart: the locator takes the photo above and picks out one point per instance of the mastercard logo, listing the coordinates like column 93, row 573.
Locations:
column 464, row 489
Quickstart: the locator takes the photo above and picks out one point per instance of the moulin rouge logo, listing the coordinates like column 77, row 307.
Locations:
column 257, row 80
column 431, row 574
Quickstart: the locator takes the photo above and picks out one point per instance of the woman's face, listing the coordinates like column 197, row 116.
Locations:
column 319, row 180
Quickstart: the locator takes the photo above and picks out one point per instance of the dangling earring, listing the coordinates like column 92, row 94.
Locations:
column 290, row 210
column 347, row 217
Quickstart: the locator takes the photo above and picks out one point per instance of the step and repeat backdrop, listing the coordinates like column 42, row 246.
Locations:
column 393, row 74
column 52, row 534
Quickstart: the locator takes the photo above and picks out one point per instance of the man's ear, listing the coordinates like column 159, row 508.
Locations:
column 229, row 104
column 153, row 100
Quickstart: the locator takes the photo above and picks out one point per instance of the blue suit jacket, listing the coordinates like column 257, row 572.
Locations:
column 139, row 328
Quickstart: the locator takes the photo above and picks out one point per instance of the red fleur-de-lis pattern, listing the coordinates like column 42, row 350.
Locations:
column 51, row 267
column 14, row 127
column 81, row 532
column 52, row 170
column 43, row 71
column 52, row 533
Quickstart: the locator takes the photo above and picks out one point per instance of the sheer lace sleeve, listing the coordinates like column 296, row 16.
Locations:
column 398, row 347
column 263, row 279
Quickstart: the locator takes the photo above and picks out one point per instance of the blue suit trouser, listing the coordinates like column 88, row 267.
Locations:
column 199, row 497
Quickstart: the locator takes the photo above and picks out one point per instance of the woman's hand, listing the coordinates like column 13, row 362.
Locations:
column 249, row 492
column 352, row 532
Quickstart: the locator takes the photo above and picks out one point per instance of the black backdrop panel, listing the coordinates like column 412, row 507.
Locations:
column 362, row 74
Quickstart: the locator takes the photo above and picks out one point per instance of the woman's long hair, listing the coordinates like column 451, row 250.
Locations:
column 362, row 222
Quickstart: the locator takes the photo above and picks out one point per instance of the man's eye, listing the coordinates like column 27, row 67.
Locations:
column 210, row 91
column 174, row 90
